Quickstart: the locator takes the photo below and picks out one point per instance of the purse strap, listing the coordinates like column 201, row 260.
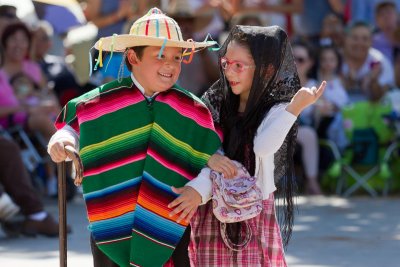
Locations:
column 229, row 243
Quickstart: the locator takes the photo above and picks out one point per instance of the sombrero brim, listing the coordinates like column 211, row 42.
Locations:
column 119, row 43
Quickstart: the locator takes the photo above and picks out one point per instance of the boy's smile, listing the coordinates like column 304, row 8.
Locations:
column 156, row 73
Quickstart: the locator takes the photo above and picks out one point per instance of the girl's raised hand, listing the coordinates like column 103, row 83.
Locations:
column 304, row 98
column 223, row 165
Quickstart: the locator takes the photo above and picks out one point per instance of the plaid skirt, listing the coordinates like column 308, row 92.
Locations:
column 265, row 248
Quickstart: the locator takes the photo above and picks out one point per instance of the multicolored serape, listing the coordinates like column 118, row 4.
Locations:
column 133, row 150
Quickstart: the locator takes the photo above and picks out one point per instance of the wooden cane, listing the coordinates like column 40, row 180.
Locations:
column 62, row 214
column 62, row 202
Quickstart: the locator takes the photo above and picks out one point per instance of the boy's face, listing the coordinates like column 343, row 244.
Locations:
column 154, row 74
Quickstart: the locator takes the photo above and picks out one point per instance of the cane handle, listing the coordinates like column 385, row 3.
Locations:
column 76, row 159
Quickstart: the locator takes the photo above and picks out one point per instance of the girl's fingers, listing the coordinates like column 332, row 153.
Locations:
column 191, row 214
column 321, row 89
column 225, row 171
column 183, row 215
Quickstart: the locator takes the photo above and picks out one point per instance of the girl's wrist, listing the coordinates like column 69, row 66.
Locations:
column 293, row 108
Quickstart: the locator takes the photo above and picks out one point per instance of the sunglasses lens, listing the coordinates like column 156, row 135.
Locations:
column 300, row 60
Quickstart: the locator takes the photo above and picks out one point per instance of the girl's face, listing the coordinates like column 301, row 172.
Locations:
column 302, row 59
column 238, row 65
column 17, row 46
column 328, row 61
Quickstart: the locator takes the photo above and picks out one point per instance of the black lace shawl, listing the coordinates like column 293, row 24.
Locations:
column 269, row 46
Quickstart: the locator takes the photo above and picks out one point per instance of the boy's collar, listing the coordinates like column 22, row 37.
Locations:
column 140, row 87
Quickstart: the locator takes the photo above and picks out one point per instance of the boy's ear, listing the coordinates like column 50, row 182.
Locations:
column 132, row 57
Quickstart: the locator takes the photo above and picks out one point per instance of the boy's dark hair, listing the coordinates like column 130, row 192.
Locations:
column 139, row 52
column 383, row 5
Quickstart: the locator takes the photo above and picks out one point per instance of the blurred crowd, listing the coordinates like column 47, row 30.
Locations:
column 354, row 45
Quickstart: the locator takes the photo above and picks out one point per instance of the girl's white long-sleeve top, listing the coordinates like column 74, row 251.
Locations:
column 269, row 138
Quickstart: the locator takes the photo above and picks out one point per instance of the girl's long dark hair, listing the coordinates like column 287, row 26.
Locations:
column 275, row 81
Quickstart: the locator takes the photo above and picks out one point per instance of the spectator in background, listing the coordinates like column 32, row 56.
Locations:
column 307, row 135
column 308, row 23
column 250, row 20
column 60, row 77
column 8, row 14
column 272, row 12
column 335, row 95
column 109, row 16
column 387, row 22
column 367, row 73
column 305, row 62
column 297, row 14
column 144, row 5
column 20, row 195
column 217, row 12
column 363, row 10
column 16, row 40
column 332, row 31
column 28, row 94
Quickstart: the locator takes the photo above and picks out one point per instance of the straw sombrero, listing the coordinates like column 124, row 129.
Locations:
column 153, row 29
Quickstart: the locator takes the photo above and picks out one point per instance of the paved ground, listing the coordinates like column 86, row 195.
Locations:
column 329, row 232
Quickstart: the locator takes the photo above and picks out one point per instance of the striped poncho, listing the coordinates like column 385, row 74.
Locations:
column 132, row 151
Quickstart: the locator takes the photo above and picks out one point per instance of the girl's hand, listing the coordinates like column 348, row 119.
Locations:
column 304, row 98
column 223, row 165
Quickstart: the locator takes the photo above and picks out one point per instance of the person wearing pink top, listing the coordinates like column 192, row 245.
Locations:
column 16, row 42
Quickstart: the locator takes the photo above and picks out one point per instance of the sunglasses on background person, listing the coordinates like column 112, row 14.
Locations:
column 300, row 60
column 236, row 66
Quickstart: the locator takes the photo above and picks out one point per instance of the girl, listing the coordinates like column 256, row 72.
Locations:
column 255, row 102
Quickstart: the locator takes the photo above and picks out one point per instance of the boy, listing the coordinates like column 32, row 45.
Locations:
column 139, row 136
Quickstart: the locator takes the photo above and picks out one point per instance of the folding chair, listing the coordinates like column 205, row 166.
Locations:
column 29, row 153
column 29, row 144
column 372, row 150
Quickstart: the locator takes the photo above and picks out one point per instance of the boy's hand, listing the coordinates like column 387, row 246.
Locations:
column 304, row 98
column 57, row 152
column 186, row 203
column 223, row 165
